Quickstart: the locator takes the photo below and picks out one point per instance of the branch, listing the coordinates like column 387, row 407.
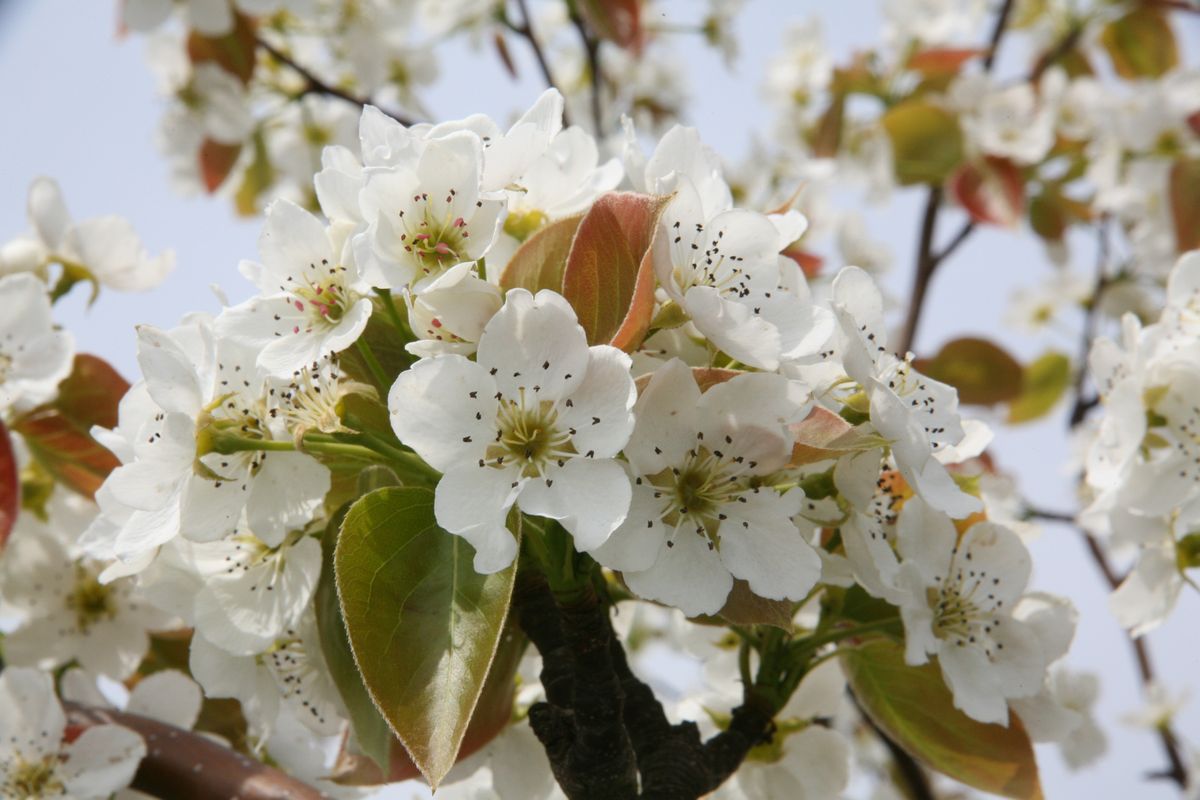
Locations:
column 997, row 34
column 1083, row 405
column 591, row 51
column 182, row 765
column 525, row 30
column 1054, row 54
column 315, row 85
column 1176, row 770
column 927, row 262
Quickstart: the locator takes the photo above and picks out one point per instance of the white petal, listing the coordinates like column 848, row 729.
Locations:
column 590, row 498
column 32, row 718
column 535, row 344
column 926, row 538
column 445, row 409
column 734, row 327
column 760, row 545
column 285, row 495
column 635, row 544
column 171, row 376
column 601, row 410
column 48, row 213
column 473, row 502
column 168, row 696
column 666, row 417
column 101, row 761
column 688, row 575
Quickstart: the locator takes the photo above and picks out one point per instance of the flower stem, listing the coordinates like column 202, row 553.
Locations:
column 811, row 643
column 373, row 363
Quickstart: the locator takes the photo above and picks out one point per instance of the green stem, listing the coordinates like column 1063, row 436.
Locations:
column 389, row 305
column 373, row 364
column 811, row 643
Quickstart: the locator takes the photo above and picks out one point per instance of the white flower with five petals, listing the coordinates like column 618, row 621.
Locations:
column 34, row 357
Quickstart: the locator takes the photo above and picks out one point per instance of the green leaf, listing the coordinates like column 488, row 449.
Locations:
column 1046, row 381
column 1141, row 44
column 915, row 709
column 1185, row 203
column 540, row 260
column 10, row 486
column 982, row 371
column 59, row 433
column 424, row 627
column 609, row 278
column 386, row 344
column 370, row 728
column 927, row 143
column 257, row 178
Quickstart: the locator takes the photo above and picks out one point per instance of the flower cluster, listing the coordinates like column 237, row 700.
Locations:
column 1143, row 461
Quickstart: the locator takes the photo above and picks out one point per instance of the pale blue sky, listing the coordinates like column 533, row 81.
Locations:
column 80, row 106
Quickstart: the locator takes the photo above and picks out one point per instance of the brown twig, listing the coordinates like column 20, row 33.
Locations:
column 591, row 51
column 1176, row 771
column 315, row 85
column 524, row 29
column 997, row 34
column 1084, row 404
column 182, row 765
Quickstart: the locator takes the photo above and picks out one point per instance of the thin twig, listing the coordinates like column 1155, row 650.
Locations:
column 1054, row 54
column 524, row 29
column 591, row 51
column 1084, row 404
column 997, row 34
column 1176, row 771
column 315, row 85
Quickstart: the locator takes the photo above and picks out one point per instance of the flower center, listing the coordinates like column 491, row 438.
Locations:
column 694, row 493
column 325, row 301
column 529, row 436
column 91, row 600
column 29, row 780
column 437, row 243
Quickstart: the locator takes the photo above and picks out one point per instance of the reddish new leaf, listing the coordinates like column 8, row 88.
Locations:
column 10, row 486
column 1185, row 203
column 59, row 433
column 216, row 162
column 991, row 190
column 541, row 259
column 235, row 52
column 810, row 263
column 942, row 60
column 619, row 21
column 609, row 279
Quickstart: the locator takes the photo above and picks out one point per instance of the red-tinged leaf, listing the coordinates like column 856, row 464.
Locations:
column 608, row 269
column 59, row 433
column 983, row 372
column 1141, row 44
column 501, row 45
column 235, row 52
column 1193, row 121
column 915, row 709
column 10, row 486
column 991, row 190
column 942, row 60
column 1185, row 203
column 705, row 377
column 819, row 436
column 633, row 328
column 216, row 162
column 541, row 259
column 927, row 142
column 810, row 263
column 619, row 21
column 744, row 607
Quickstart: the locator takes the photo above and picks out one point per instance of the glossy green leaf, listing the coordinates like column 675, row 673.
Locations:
column 983, row 372
column 1184, row 193
column 424, row 627
column 1141, row 44
column 541, row 259
column 10, row 486
column 59, row 433
column 915, row 709
column 927, row 143
column 609, row 279
column 1046, row 380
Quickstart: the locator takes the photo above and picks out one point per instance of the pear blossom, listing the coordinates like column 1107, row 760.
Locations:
column 37, row 761
column 914, row 413
column 34, row 356
column 699, row 517
column 959, row 606
column 722, row 264
column 168, row 696
column 251, row 592
column 1016, row 122
column 537, row 420
column 105, row 249
column 66, row 612
column 427, row 216
column 313, row 301
column 450, row 315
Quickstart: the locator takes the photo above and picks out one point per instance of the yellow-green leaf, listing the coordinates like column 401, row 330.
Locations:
column 10, row 486
column 1046, row 381
column 1185, row 203
column 983, row 372
column 424, row 627
column 257, row 178
column 915, row 709
column 540, row 260
column 1141, row 44
column 927, row 143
